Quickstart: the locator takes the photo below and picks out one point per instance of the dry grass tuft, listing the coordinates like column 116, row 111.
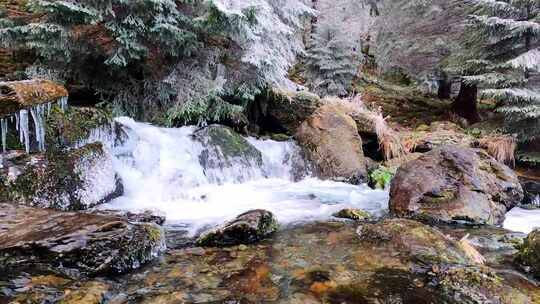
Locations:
column 470, row 251
column 389, row 140
column 501, row 147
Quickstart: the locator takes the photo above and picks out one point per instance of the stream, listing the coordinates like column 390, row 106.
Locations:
column 161, row 170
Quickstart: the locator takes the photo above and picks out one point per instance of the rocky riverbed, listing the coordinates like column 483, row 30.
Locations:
column 135, row 213
column 394, row 260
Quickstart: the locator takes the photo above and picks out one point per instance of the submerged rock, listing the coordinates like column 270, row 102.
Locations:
column 330, row 140
column 246, row 228
column 323, row 262
column 421, row 243
column 474, row 284
column 455, row 184
column 66, row 241
column 76, row 179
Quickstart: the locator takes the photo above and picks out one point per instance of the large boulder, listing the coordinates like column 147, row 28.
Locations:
column 65, row 241
column 455, row 184
column 329, row 139
column 246, row 228
column 75, row 179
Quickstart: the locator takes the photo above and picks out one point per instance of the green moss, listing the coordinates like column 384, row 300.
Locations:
column 73, row 126
column 529, row 252
column 381, row 177
column 353, row 214
column 154, row 233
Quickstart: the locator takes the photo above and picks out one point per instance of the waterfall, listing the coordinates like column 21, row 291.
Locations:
column 161, row 169
column 39, row 113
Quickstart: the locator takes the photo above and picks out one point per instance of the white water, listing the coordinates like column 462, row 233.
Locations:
column 160, row 170
column 522, row 220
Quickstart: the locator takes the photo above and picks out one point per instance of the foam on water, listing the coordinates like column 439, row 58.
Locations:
column 522, row 220
column 160, row 170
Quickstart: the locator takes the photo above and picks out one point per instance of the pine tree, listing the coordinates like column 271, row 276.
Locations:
column 236, row 48
column 504, row 40
column 330, row 62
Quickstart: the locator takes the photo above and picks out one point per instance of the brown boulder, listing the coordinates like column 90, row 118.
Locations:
column 329, row 138
column 454, row 183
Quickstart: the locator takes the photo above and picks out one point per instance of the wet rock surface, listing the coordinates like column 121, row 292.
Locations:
column 455, row 184
column 75, row 179
column 247, row 228
column 330, row 140
column 531, row 188
column 74, row 243
column 314, row 263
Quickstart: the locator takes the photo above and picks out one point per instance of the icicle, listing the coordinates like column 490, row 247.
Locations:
column 49, row 105
column 23, row 130
column 39, row 125
column 63, row 103
column 3, row 130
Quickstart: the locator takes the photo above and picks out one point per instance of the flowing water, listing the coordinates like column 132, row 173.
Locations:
column 161, row 170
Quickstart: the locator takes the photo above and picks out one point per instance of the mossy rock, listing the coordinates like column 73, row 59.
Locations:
column 223, row 148
column 352, row 214
column 287, row 109
column 74, row 125
column 247, row 228
column 63, row 180
column 529, row 252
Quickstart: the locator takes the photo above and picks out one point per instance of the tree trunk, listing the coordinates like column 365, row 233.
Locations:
column 445, row 88
column 466, row 104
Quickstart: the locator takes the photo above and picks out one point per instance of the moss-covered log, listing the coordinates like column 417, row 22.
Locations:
column 16, row 95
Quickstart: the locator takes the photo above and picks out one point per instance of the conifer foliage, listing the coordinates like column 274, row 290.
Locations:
column 196, row 60
column 504, row 40
column 330, row 62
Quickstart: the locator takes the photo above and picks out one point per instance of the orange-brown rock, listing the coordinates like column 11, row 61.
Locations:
column 330, row 140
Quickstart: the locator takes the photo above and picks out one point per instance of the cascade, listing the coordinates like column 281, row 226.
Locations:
column 162, row 168
column 39, row 113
